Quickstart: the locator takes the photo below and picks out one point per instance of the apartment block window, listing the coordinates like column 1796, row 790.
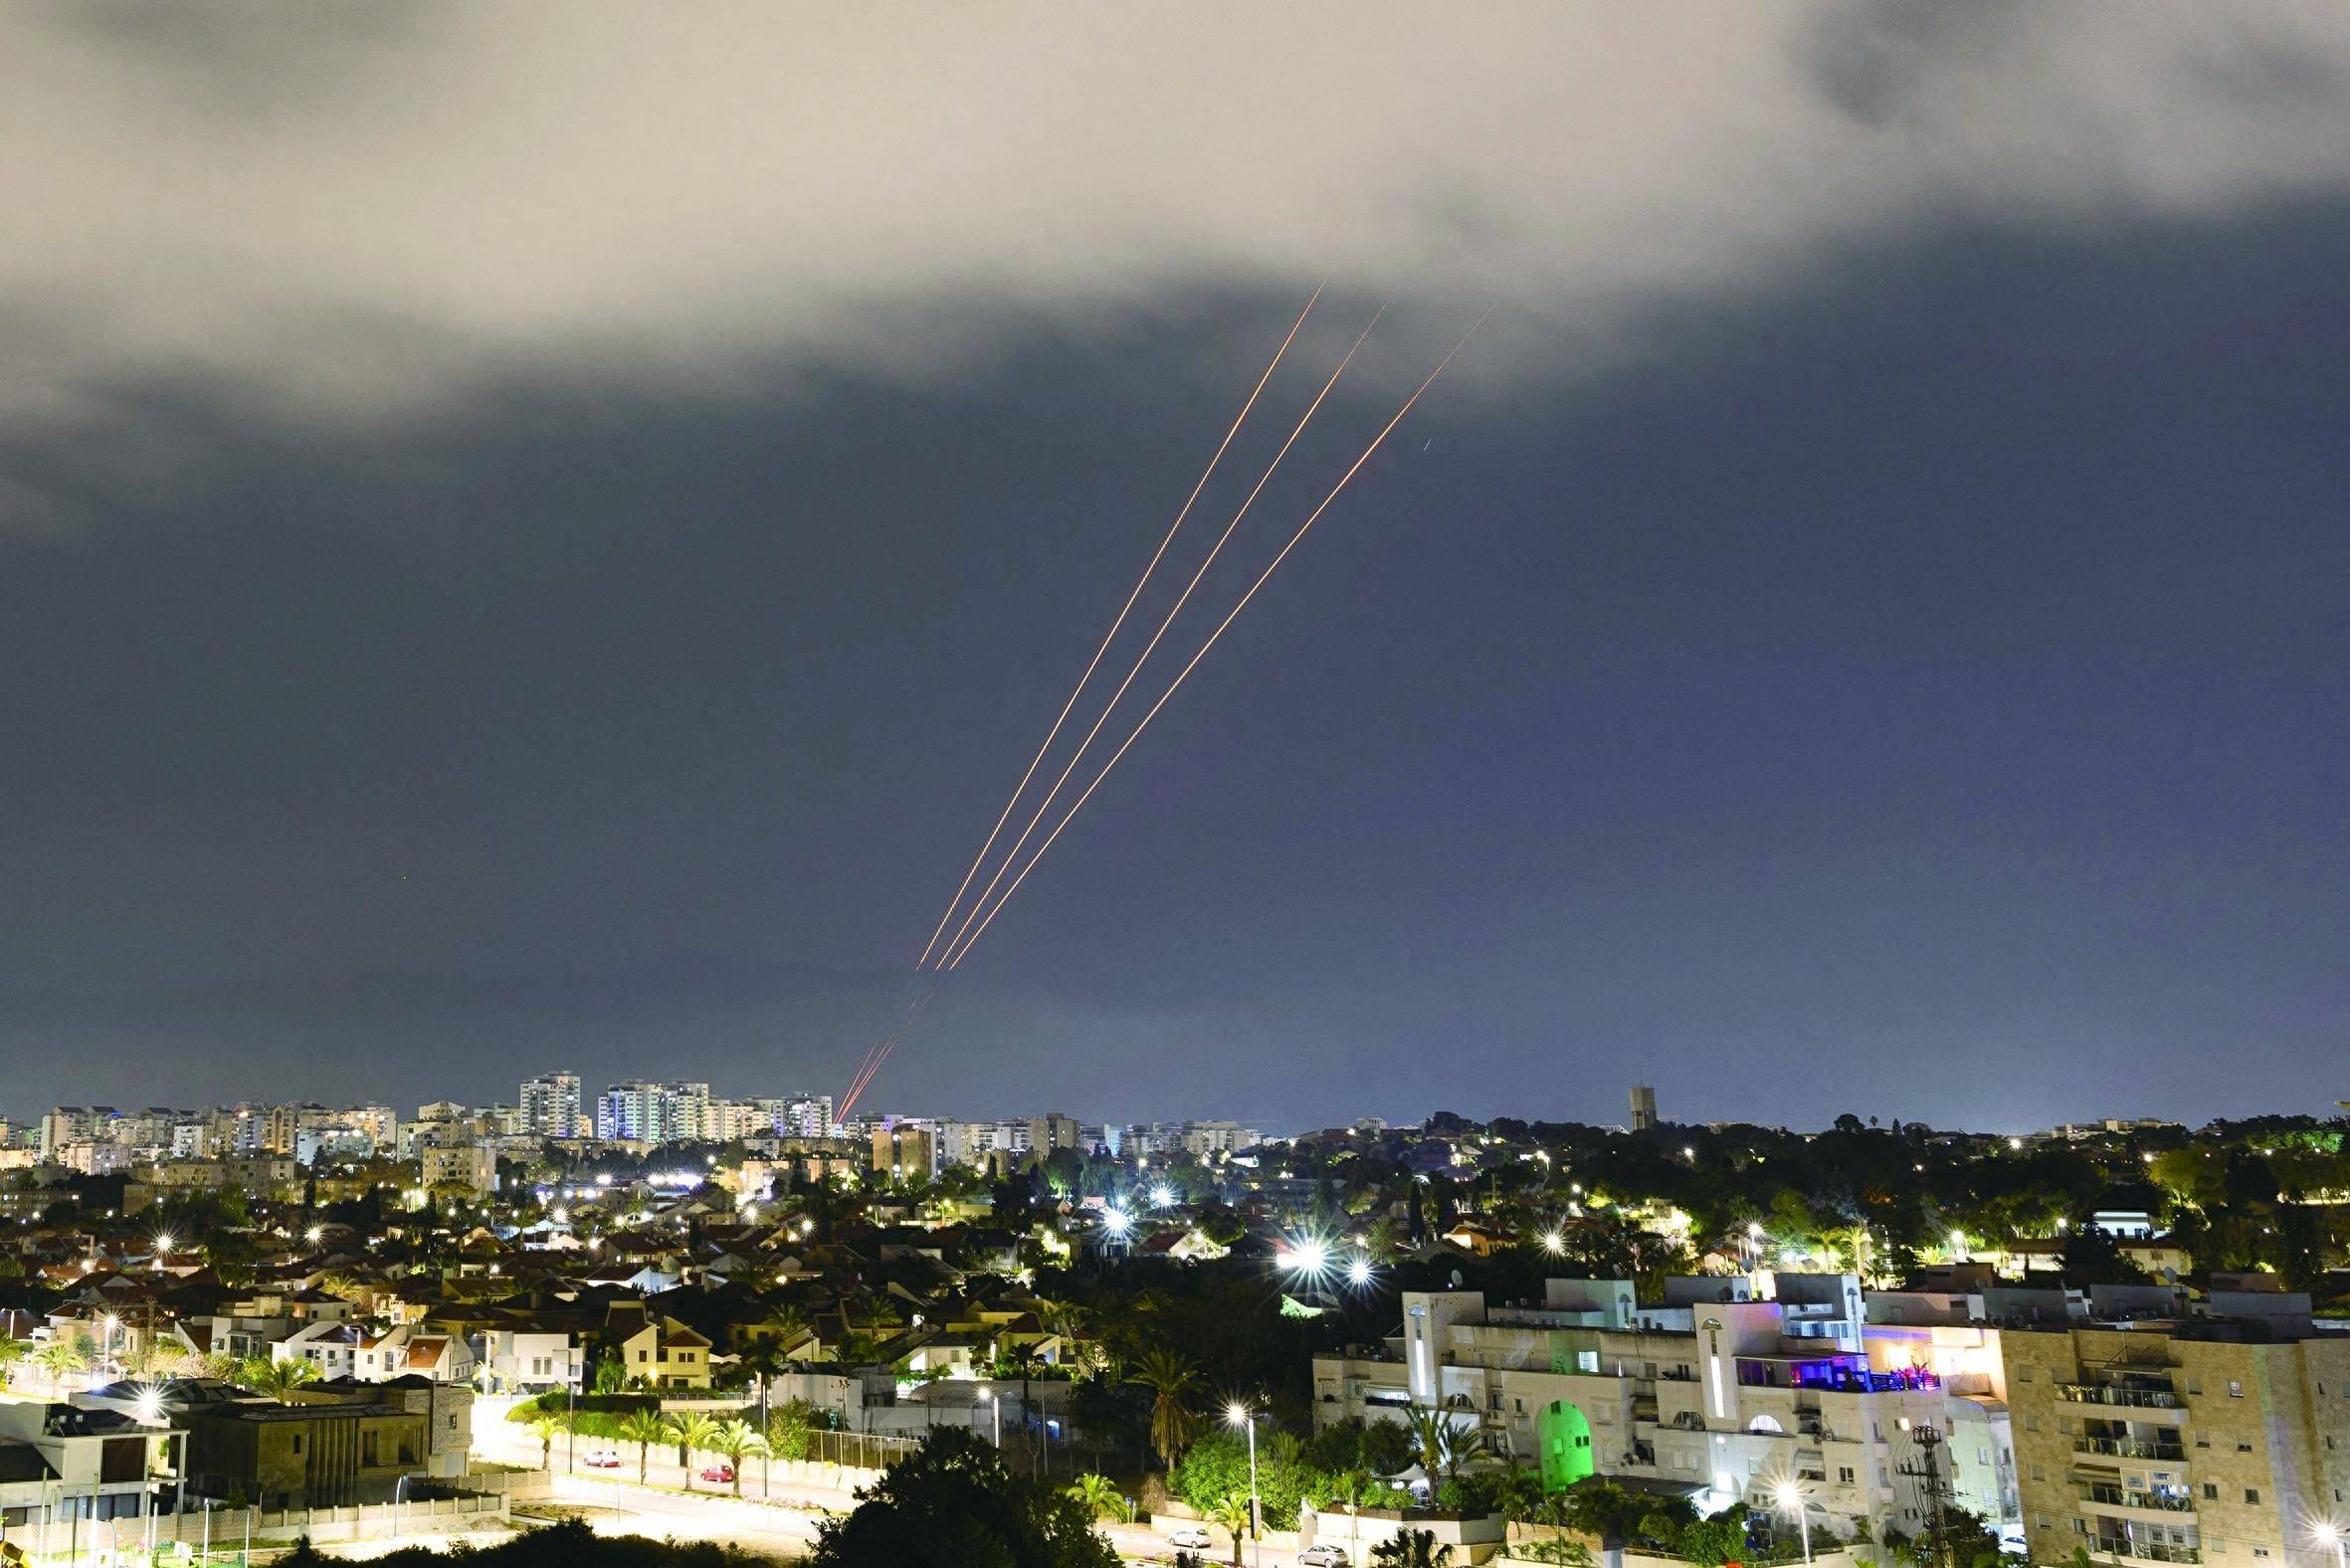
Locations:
column 2235, row 1389
column 2195, row 1384
column 1843, row 1474
column 2031, row 1421
column 2211, row 1492
column 2260, row 1551
column 2243, row 1447
column 1587, row 1361
column 2203, row 1442
column 2023, row 1374
column 2251, row 1495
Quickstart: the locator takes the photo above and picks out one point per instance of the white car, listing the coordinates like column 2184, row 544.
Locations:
column 1322, row 1557
column 1191, row 1538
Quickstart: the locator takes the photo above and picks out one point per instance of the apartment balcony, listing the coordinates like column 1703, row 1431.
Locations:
column 2112, row 1394
column 2130, row 1448
column 2099, row 1500
column 2127, row 1552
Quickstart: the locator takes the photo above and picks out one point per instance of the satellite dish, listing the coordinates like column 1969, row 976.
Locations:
column 1455, row 1279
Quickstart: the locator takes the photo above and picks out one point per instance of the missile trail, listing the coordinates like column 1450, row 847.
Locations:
column 1150, row 646
column 1133, row 594
column 879, row 1051
column 959, row 953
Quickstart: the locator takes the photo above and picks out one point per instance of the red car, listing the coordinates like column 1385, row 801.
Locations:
column 717, row 1473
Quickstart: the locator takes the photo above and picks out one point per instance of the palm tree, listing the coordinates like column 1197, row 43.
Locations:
column 1436, row 1441
column 546, row 1423
column 1411, row 1549
column 273, row 1378
column 643, row 1428
column 1230, row 1514
column 737, row 1441
column 61, row 1356
column 788, row 1326
column 762, row 1359
column 1023, row 1361
column 690, row 1430
column 12, row 1351
column 1348, row 1489
column 1099, row 1495
column 1173, row 1423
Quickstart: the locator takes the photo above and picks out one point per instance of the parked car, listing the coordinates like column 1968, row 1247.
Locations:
column 1191, row 1537
column 602, row 1458
column 717, row 1473
column 1322, row 1557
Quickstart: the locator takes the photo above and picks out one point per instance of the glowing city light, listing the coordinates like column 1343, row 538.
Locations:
column 1116, row 1221
column 1161, row 1195
column 1237, row 1412
column 1553, row 1242
column 1358, row 1271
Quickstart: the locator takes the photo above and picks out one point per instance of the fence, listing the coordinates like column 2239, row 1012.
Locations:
column 218, row 1535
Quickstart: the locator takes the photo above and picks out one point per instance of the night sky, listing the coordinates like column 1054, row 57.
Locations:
column 548, row 550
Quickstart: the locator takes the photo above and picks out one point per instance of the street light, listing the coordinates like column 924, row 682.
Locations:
column 996, row 1409
column 2327, row 1533
column 1240, row 1415
column 1790, row 1498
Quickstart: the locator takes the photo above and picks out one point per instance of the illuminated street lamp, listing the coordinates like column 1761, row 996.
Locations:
column 1358, row 1270
column 1240, row 1415
column 1161, row 1195
column 1790, row 1498
column 2327, row 1533
column 1554, row 1243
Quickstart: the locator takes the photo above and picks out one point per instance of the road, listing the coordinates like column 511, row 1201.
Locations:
column 781, row 1521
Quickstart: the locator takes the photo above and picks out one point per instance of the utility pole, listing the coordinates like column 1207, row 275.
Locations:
column 1926, row 1469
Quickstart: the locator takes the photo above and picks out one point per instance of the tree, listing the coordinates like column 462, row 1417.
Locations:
column 1170, row 1379
column 1230, row 1514
column 737, row 1440
column 1411, row 1549
column 1023, row 1361
column 12, row 1351
column 953, row 1503
column 1100, row 1496
column 1348, row 1489
column 546, row 1423
column 61, row 1356
column 787, row 1429
column 1437, row 1442
column 690, row 1429
column 644, row 1428
column 611, row 1375
column 273, row 1378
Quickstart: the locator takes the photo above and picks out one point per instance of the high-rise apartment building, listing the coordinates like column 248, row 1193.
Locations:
column 644, row 1112
column 2221, row 1439
column 550, row 1106
column 1644, row 1107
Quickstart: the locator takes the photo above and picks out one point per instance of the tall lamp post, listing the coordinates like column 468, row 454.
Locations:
column 1790, row 1498
column 1240, row 1415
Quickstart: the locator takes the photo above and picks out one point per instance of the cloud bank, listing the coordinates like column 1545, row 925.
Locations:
column 358, row 212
